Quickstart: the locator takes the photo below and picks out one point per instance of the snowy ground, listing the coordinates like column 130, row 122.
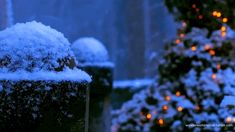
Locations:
column 123, row 90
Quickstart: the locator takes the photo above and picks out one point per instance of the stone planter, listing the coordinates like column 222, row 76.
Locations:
column 100, row 90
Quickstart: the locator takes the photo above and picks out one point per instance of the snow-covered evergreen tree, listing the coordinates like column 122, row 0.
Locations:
column 195, row 74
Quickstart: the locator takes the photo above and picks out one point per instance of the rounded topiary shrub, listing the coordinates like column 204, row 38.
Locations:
column 92, row 57
column 34, row 46
column 90, row 50
column 40, row 87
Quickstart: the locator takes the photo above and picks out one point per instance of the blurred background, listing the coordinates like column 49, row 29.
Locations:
column 134, row 31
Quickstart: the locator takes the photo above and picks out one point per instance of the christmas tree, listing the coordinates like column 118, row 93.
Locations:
column 209, row 14
column 195, row 74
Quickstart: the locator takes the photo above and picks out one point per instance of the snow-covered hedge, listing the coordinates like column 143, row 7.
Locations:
column 33, row 46
column 40, row 87
column 90, row 50
column 28, row 106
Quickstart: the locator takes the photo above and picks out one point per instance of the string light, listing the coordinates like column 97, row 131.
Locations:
column 177, row 41
column 218, row 66
column 223, row 34
column 193, row 6
column 165, row 107
column 207, row 47
column 184, row 24
column 223, row 28
column 167, row 98
column 179, row 108
column 213, row 76
column 228, row 119
column 218, row 14
column 148, row 116
column 212, row 52
column 200, row 16
column 224, row 20
column 161, row 122
column 182, row 35
column 177, row 93
column 197, row 108
column 214, row 13
column 193, row 48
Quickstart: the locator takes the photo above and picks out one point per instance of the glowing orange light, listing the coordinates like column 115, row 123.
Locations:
column 148, row 116
column 218, row 66
column 182, row 35
column 200, row 16
column 212, row 52
column 214, row 13
column 218, row 14
column 223, row 34
column 193, row 6
column 213, row 76
column 197, row 108
column 165, row 107
column 225, row 20
column 223, row 28
column 193, row 48
column 228, row 119
column 207, row 47
column 177, row 41
column 167, row 98
column 161, row 122
column 177, row 93
column 184, row 24
column 179, row 108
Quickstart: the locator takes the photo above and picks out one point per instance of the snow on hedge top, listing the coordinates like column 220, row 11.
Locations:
column 33, row 46
column 74, row 75
column 89, row 50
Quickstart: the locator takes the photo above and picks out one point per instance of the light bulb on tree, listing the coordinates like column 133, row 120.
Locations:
column 167, row 98
column 182, row 35
column 165, row 107
column 212, row 52
column 224, row 20
column 218, row 14
column 148, row 116
column 179, row 108
column 161, row 122
column 223, row 34
column 207, row 47
column 193, row 48
column 197, row 108
column 228, row 120
column 213, row 76
column 218, row 66
column 178, row 93
column 177, row 41
column 214, row 13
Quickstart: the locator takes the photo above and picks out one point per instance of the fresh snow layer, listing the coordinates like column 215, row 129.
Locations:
column 32, row 44
column 75, row 75
column 89, row 49
column 102, row 64
column 228, row 101
column 135, row 84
